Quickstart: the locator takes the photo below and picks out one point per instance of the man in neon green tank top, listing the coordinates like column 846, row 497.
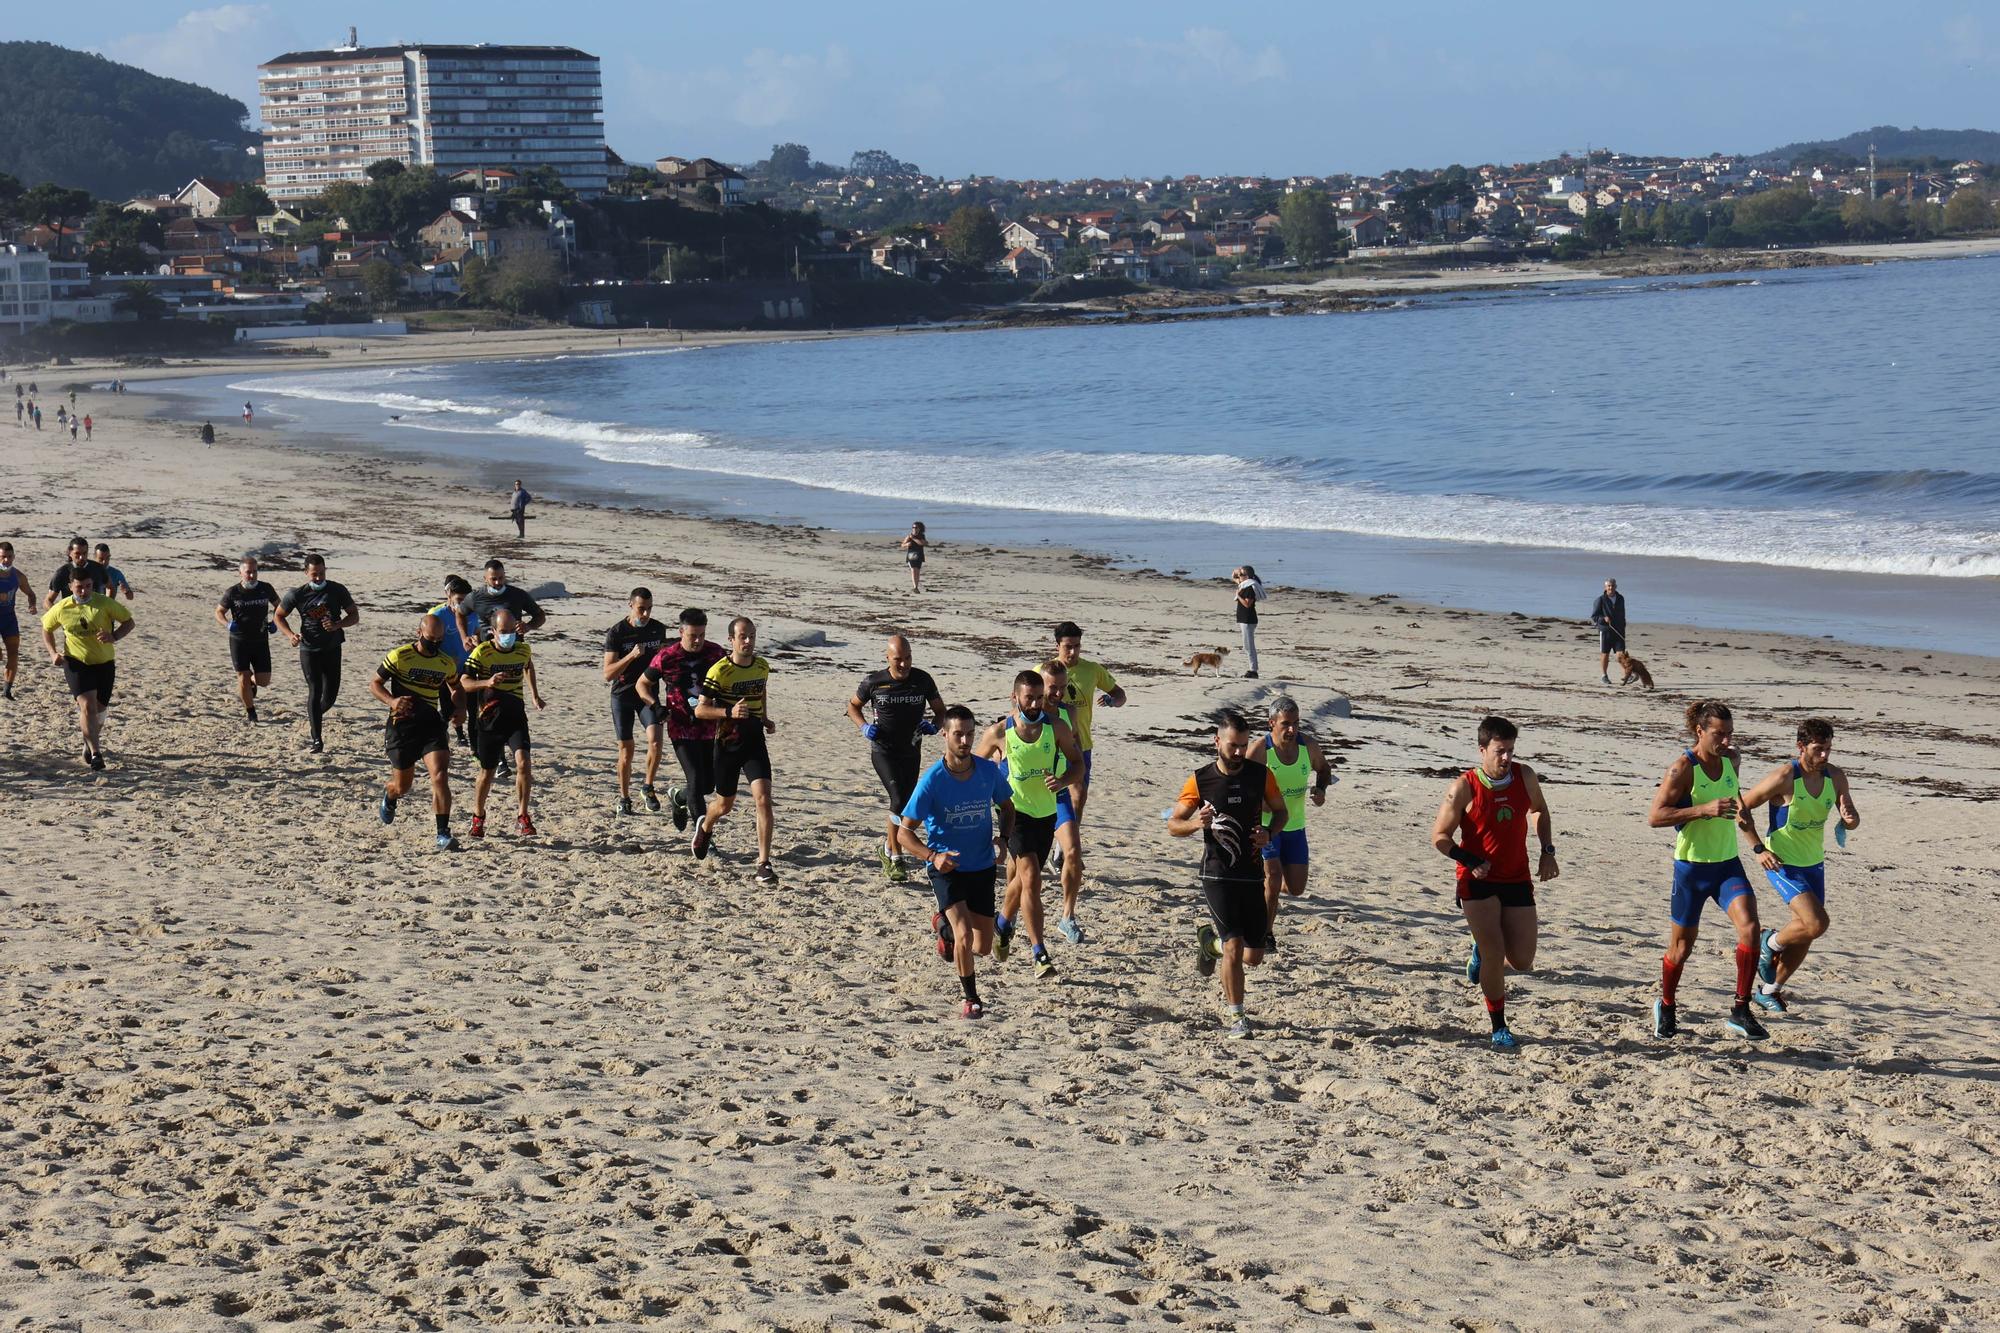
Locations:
column 1085, row 686
column 1804, row 795
column 1698, row 798
column 1042, row 759
column 1304, row 776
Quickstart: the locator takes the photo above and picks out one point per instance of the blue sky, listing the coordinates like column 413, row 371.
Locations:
column 1117, row 88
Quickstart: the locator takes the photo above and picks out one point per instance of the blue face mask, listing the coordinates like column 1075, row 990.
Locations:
column 317, row 585
column 1034, row 718
column 506, row 641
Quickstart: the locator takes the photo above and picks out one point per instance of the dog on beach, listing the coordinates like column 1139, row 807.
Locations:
column 1634, row 670
column 1200, row 660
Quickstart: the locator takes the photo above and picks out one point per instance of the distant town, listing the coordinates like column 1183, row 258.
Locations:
column 425, row 183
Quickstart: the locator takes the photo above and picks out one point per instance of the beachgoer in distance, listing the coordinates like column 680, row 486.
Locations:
column 1249, row 592
column 496, row 672
column 208, row 432
column 245, row 611
column 115, row 582
column 628, row 646
column 735, row 696
column 518, row 508
column 1608, row 614
column 1088, row 685
column 79, row 562
column 1698, row 798
column 1489, row 808
column 12, row 581
column 913, row 549
column 1303, row 774
column 1039, row 754
column 1803, row 794
column 898, row 694
column 91, row 625
column 247, row 414
column 671, row 684
column 326, row 612
column 415, row 678
column 1225, row 801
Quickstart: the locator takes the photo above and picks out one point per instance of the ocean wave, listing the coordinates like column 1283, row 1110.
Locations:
column 365, row 388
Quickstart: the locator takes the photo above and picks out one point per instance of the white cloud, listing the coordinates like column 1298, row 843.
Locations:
column 218, row 48
column 767, row 89
column 1208, row 53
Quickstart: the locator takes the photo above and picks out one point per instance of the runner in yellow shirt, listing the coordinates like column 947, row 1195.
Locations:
column 1088, row 685
column 496, row 670
column 413, row 680
column 91, row 624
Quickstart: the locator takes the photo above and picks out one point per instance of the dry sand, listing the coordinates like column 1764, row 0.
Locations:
column 269, row 1064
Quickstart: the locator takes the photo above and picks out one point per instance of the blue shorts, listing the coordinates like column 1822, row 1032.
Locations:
column 1287, row 847
column 10, row 628
column 1695, row 882
column 1791, row 881
column 1065, row 807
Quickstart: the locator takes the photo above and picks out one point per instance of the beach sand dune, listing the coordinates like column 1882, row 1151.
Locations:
column 267, row 1063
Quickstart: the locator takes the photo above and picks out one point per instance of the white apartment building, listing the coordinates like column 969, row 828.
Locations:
column 24, row 288
column 328, row 115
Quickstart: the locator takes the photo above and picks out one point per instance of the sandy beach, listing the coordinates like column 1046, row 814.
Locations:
column 268, row 1063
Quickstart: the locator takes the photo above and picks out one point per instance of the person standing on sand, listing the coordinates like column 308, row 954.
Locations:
column 949, row 823
column 1040, row 756
column 495, row 672
column 628, row 646
column 86, row 426
column 1698, row 798
column 415, row 678
column 1249, row 592
column 913, row 548
column 1608, row 614
column 326, row 612
column 91, row 625
column 245, row 611
column 735, row 696
column 518, row 508
column 898, row 693
column 208, row 432
column 12, row 581
column 247, row 414
column 1489, row 808
column 1303, row 775
column 1225, row 801
column 672, row 685
column 1087, row 686
column 1795, row 859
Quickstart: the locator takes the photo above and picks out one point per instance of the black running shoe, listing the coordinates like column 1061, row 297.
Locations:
column 1663, row 1019
column 652, row 799
column 1744, row 1023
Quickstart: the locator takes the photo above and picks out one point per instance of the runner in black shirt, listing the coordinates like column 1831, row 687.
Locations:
column 326, row 612
column 898, row 694
column 497, row 594
column 628, row 646
column 245, row 611
column 79, row 562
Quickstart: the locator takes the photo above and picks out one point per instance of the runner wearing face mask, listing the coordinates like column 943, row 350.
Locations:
column 413, row 680
column 495, row 675
column 245, row 611
column 628, row 646
column 326, row 612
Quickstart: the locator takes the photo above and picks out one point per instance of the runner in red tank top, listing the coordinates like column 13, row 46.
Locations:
column 1489, row 808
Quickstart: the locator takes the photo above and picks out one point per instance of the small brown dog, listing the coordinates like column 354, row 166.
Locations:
column 1200, row 660
column 1634, row 670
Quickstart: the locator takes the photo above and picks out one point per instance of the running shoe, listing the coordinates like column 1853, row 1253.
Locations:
column 249, row 715
column 1045, row 966
column 1744, row 1023
column 766, row 876
column 1503, row 1040
column 680, row 801
column 652, row 800
column 625, row 805
column 1472, row 965
column 479, row 826
column 1770, row 1001
column 1239, row 1029
column 316, row 748
column 1070, row 930
column 1767, row 959
column 447, row 843
column 8, row 690
column 524, row 826
column 1663, row 1019
column 942, row 930
column 386, row 808
column 972, row 1009
column 1607, row 680
column 892, row 867
column 699, row 844
column 1270, row 941
column 96, row 760
column 1205, row 949
column 1003, row 938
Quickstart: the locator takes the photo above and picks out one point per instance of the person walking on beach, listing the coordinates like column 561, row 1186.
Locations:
column 517, row 507
column 495, row 673
column 1040, row 756
column 898, row 694
column 79, row 562
column 208, row 432
column 671, row 684
column 12, row 581
column 1249, row 592
column 1088, row 685
column 1699, row 798
column 1608, row 614
column 91, row 626
column 326, row 612
column 462, row 628
column 115, row 582
column 245, row 611
column 949, row 824
column 246, row 414
column 413, row 680
column 86, row 426
column 628, row 646
column 913, row 549
column 1489, row 808
column 1803, row 794
column 1225, row 801
column 735, row 696
column 1303, row 775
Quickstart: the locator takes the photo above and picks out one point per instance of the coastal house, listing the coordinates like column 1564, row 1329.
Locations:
column 686, row 183
column 1025, row 265
column 1039, row 237
column 162, row 206
column 449, row 230
column 1365, row 229
column 485, row 180
column 283, row 222
column 204, row 196
column 1170, row 263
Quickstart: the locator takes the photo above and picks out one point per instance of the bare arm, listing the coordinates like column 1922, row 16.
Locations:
column 1544, row 827
column 1072, row 753
column 1322, row 769
column 991, row 741
column 1843, row 799
column 1451, row 813
column 1187, row 818
column 380, row 690
column 647, row 690
column 1669, row 802
column 534, row 685
column 854, row 713
column 614, row 665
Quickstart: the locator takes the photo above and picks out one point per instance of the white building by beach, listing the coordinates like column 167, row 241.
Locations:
column 24, row 288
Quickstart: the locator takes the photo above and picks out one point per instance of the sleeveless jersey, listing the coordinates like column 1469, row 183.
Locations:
column 1293, row 778
column 1227, row 851
column 1798, row 829
column 1029, row 766
column 1496, row 827
column 1707, row 841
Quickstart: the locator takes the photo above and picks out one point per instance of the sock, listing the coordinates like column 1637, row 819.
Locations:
column 1497, row 1011
column 970, row 985
column 1746, row 968
column 1763, row 989
column 443, row 824
column 1234, row 1010
column 1670, row 979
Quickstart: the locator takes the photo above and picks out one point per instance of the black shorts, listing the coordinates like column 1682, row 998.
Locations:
column 407, row 742
column 84, row 677
column 626, row 709
column 498, row 729
column 1032, row 837
column 1610, row 640
column 1236, row 906
column 899, row 770
column 250, row 652
column 1518, row 894
column 747, row 762
column 974, row 888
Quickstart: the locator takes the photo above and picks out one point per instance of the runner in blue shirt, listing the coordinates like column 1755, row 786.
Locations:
column 949, row 824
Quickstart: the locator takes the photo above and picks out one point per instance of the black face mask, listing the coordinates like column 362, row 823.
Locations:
column 430, row 647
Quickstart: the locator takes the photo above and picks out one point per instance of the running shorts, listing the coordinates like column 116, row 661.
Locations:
column 626, row 708
column 84, row 677
column 1236, row 906
column 1695, row 882
column 1791, row 881
column 1032, row 837
column 498, row 729
column 1287, row 847
column 1519, row 893
column 748, row 762
column 250, row 652
column 899, row 769
column 697, row 769
column 10, row 625
column 974, row 888
column 407, row 742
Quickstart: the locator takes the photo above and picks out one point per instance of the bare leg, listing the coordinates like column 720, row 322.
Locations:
column 1071, row 839
column 440, row 784
column 481, row 785
column 652, row 761
column 523, row 779
column 760, row 793
column 625, row 769
column 1809, row 922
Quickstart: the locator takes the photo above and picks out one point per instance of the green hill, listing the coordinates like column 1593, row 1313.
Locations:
column 1894, row 145
column 93, row 124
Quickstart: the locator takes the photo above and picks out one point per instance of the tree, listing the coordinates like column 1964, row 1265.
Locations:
column 1305, row 220
column 382, row 283
column 141, row 300
column 1924, row 220
column 790, row 163
column 971, row 237
column 475, row 281
column 1969, row 210
column 529, row 283
column 49, row 203
column 1074, row 262
column 383, row 168
column 247, row 201
column 875, row 162
column 681, row 264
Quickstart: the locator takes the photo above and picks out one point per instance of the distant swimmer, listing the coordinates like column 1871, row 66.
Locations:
column 1608, row 614
column 949, row 823
column 1699, row 798
column 1225, row 801
column 326, row 611
column 671, row 685
column 914, row 547
column 245, row 611
column 888, row 708
column 91, row 625
column 415, row 678
column 499, row 679
column 1088, row 685
column 735, row 696
column 628, row 646
column 1039, row 754
column 1803, row 794
column 1489, row 809
column 1303, row 775
column 12, row 581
